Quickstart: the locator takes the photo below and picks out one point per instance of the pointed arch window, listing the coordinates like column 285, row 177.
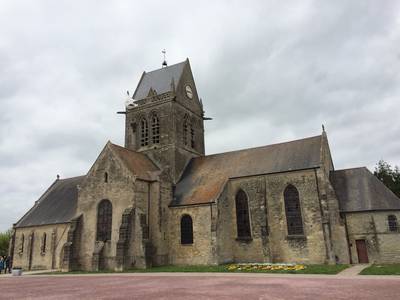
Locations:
column 242, row 215
column 186, row 230
column 155, row 129
column 104, row 220
column 144, row 132
column 44, row 242
column 21, row 246
column 185, row 130
column 293, row 211
column 392, row 222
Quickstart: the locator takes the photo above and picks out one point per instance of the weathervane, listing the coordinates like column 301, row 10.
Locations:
column 164, row 64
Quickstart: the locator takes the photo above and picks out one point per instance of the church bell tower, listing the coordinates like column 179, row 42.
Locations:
column 164, row 118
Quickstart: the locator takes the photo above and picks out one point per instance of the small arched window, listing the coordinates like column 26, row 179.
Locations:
column 144, row 132
column 44, row 241
column 21, row 246
column 293, row 211
column 104, row 220
column 392, row 222
column 105, row 177
column 186, row 230
column 185, row 130
column 242, row 215
column 155, row 129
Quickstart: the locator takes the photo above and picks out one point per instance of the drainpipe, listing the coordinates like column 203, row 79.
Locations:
column 148, row 210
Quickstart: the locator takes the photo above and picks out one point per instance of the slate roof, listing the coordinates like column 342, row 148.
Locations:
column 160, row 80
column 205, row 177
column 56, row 205
column 359, row 190
column 137, row 162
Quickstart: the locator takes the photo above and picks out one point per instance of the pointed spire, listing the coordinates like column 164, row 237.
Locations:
column 164, row 64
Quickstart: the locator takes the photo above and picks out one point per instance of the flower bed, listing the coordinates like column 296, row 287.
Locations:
column 264, row 267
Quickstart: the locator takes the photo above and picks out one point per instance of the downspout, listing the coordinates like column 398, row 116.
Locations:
column 148, row 210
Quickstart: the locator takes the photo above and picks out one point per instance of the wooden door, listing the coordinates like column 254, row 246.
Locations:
column 362, row 252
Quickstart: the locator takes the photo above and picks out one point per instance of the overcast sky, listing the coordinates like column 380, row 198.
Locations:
column 268, row 71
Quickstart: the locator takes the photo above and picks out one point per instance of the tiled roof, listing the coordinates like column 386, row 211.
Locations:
column 205, row 177
column 159, row 80
column 137, row 162
column 56, row 205
column 359, row 190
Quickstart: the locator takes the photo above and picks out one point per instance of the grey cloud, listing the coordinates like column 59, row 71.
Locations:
column 268, row 71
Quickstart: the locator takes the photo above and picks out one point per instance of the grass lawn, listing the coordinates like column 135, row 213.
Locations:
column 389, row 269
column 309, row 269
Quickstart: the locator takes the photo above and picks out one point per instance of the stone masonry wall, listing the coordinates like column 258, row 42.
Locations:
column 270, row 241
column 383, row 246
column 42, row 258
column 200, row 252
column 123, row 190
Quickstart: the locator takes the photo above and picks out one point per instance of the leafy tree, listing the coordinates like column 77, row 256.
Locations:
column 4, row 242
column 388, row 175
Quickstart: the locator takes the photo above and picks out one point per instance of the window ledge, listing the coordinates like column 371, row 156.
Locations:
column 246, row 239
column 296, row 237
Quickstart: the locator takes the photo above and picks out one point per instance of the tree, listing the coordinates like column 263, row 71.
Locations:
column 4, row 242
column 389, row 176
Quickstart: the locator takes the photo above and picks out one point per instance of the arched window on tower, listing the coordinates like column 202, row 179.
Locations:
column 104, row 220
column 186, row 230
column 144, row 132
column 192, row 135
column 392, row 223
column 185, row 130
column 155, row 129
column 242, row 215
column 132, row 137
column 293, row 211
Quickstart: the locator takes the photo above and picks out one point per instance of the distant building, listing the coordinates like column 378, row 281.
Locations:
column 160, row 200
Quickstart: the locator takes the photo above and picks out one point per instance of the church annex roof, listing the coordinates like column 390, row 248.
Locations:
column 159, row 80
column 137, row 162
column 205, row 177
column 359, row 190
column 56, row 205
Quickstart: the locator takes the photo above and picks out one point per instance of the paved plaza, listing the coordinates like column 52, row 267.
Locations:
column 199, row 286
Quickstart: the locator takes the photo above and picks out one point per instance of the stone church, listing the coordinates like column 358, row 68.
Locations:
column 160, row 200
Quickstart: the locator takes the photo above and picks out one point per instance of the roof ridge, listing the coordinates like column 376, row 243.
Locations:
column 127, row 149
column 259, row 147
column 68, row 178
column 348, row 169
column 167, row 67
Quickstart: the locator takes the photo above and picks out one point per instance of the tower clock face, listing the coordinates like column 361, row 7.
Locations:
column 189, row 92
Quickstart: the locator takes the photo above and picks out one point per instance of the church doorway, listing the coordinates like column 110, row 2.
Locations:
column 362, row 252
